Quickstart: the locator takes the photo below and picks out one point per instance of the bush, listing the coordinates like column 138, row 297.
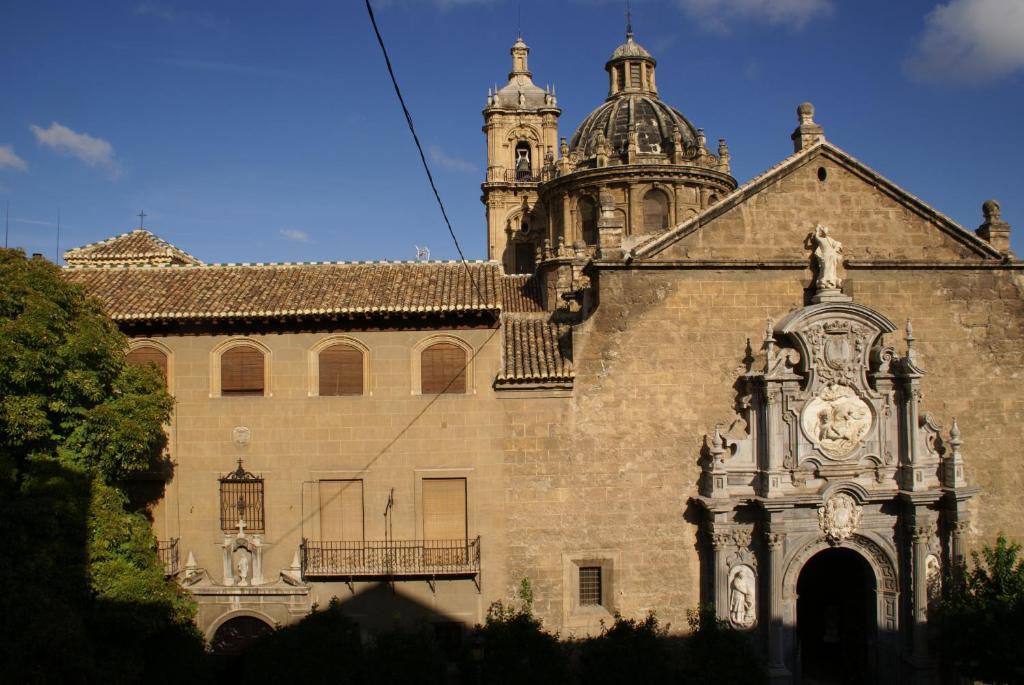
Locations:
column 629, row 651
column 513, row 647
column 715, row 652
column 982, row 616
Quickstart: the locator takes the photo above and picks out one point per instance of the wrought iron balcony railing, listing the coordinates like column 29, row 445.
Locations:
column 390, row 558
column 167, row 550
column 503, row 175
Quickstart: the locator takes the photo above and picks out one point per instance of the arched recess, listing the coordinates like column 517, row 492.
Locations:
column 215, row 366
column 881, row 561
column 657, row 208
column 231, row 632
column 416, row 362
column 586, row 210
column 139, row 344
column 331, row 341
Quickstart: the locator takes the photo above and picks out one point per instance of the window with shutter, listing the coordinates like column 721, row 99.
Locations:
column 443, row 369
column 341, row 510
column 141, row 356
column 634, row 74
column 655, row 211
column 241, row 371
column 341, row 370
column 444, row 518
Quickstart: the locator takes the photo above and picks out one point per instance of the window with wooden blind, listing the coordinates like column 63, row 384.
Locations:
column 655, row 211
column 241, row 371
column 341, row 510
column 341, row 370
column 444, row 517
column 443, row 369
column 142, row 356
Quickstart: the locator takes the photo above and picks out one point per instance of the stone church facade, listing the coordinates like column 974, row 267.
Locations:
column 794, row 398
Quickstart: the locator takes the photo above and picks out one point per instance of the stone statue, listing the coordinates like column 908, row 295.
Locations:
column 828, row 253
column 741, row 598
column 243, row 569
column 991, row 210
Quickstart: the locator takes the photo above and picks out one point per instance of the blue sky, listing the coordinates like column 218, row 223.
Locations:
column 268, row 131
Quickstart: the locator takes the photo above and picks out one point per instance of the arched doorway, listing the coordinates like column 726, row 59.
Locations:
column 837, row 619
column 236, row 634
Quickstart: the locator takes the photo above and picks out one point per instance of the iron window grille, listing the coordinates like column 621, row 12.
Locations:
column 241, row 499
column 590, row 585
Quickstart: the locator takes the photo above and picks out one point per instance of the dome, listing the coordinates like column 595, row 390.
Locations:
column 630, row 49
column 654, row 120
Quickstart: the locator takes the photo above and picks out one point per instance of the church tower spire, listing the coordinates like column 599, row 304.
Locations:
column 521, row 125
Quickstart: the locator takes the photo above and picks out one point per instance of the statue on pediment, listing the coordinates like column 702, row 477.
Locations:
column 828, row 252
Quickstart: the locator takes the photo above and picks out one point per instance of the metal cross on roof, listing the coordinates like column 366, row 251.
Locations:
column 141, row 215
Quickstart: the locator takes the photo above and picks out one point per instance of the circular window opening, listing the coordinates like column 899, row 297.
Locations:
column 822, row 174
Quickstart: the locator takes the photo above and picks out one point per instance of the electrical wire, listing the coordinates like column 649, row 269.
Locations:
column 419, row 147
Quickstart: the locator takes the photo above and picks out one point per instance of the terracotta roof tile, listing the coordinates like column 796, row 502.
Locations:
column 535, row 350
column 138, row 247
column 217, row 291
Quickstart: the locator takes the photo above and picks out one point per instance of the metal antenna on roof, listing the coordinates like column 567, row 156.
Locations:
column 422, row 253
column 141, row 215
column 56, row 257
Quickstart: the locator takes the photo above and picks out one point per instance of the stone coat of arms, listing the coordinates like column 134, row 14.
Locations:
column 839, row 517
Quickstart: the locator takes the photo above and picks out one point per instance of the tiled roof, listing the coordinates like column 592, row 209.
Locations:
column 225, row 291
column 521, row 294
column 138, row 247
column 535, row 350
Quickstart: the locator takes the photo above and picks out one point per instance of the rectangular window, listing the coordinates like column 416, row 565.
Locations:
column 444, row 518
column 341, row 510
column 590, row 585
column 443, row 369
column 341, row 371
column 634, row 74
column 241, row 496
column 241, row 371
column 141, row 356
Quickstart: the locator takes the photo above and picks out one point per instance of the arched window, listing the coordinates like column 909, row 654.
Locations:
column 588, row 220
column 236, row 634
column 655, row 211
column 143, row 356
column 341, row 370
column 241, row 371
column 523, row 163
column 443, row 369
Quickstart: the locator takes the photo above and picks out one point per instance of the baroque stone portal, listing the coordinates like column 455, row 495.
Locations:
column 836, row 421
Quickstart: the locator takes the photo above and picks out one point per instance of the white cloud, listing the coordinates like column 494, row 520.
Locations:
column 970, row 41
column 450, row 163
column 718, row 16
column 294, row 234
column 95, row 152
column 10, row 160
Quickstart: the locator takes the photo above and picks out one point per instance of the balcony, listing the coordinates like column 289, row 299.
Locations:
column 389, row 559
column 503, row 175
column 167, row 550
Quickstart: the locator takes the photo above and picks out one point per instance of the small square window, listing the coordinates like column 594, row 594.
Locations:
column 590, row 585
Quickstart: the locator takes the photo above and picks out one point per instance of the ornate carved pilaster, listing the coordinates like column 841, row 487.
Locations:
column 776, row 543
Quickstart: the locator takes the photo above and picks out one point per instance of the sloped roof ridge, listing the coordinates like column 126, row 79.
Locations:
column 653, row 245
column 160, row 246
column 202, row 265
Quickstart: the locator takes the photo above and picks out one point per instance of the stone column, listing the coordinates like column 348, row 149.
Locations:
column 720, row 542
column 567, row 228
column 776, row 620
column 920, row 534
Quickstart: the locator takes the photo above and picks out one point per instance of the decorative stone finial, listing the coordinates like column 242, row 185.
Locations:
column 954, row 433
column 808, row 132
column 994, row 230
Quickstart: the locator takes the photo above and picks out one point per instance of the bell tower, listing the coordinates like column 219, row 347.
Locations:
column 521, row 125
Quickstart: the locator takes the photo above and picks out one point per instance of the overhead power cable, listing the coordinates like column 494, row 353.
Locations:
column 419, row 147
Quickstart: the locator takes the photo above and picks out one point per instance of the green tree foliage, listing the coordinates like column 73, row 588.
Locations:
column 82, row 594
column 630, row 650
column 324, row 647
column 513, row 647
column 982, row 616
column 715, row 652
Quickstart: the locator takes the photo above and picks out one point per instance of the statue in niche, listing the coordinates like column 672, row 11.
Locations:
column 828, row 253
column 243, row 569
column 741, row 597
column 933, row 577
column 836, row 420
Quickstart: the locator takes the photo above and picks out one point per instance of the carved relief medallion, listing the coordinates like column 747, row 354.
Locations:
column 742, row 590
column 836, row 421
column 839, row 517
